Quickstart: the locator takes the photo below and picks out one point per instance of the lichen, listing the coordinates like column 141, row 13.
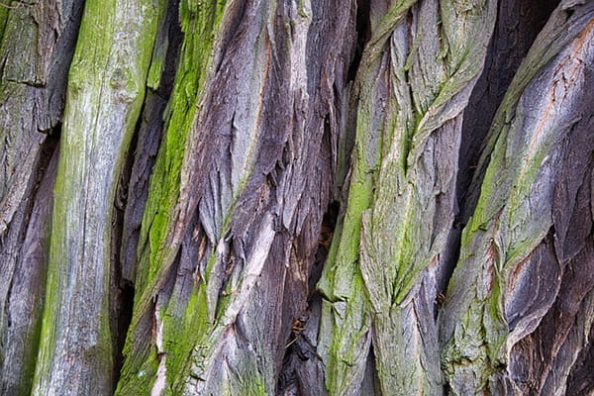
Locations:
column 391, row 232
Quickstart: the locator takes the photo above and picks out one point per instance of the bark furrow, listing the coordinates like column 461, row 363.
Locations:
column 296, row 197
column 514, row 306
column 106, row 85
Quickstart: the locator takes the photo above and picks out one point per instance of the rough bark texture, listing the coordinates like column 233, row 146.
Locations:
column 106, row 86
column 516, row 315
column 246, row 206
column 37, row 43
column 296, row 197
column 414, row 82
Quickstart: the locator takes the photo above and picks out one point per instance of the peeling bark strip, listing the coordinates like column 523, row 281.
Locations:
column 105, row 91
column 518, row 313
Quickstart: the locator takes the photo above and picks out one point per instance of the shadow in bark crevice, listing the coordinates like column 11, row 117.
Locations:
column 363, row 27
column 133, row 189
column 302, row 370
column 126, row 293
column 518, row 24
column 300, row 358
column 580, row 377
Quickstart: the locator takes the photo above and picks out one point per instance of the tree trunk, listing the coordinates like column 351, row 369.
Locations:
column 356, row 197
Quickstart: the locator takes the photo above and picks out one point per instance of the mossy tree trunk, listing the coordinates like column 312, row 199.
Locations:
column 296, row 197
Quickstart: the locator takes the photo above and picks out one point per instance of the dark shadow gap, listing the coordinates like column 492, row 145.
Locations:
column 518, row 24
column 124, row 318
column 122, row 292
column 363, row 27
column 142, row 154
column 325, row 239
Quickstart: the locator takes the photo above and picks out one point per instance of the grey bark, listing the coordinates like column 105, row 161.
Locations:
column 36, row 48
column 503, row 327
column 363, row 197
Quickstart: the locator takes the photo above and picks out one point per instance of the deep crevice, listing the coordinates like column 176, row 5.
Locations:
column 518, row 24
column 148, row 132
column 299, row 350
column 124, row 319
column 120, row 306
column 300, row 359
column 580, row 378
column 363, row 27
column 325, row 239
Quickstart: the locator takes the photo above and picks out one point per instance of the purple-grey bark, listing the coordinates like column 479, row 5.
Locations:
column 302, row 197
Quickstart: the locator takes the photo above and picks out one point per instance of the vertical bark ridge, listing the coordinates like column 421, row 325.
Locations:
column 258, row 177
column 24, row 303
column 518, row 24
column 134, row 185
column 517, row 273
column 158, row 242
column 106, row 84
column 149, row 136
column 561, row 28
column 344, row 340
column 401, row 195
column 36, row 47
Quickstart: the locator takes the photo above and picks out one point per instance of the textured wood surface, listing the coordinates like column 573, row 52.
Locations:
column 515, row 308
column 37, row 42
column 106, row 85
column 301, row 197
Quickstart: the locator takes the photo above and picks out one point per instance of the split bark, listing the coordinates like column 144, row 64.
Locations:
column 301, row 197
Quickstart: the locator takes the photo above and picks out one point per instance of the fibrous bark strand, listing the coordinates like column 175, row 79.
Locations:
column 370, row 197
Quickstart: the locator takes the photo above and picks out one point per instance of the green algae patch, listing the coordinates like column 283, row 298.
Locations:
column 200, row 23
column 106, row 89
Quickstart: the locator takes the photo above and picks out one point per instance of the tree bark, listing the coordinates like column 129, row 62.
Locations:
column 360, row 197
column 38, row 40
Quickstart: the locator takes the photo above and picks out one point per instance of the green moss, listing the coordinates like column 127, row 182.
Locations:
column 401, row 236
column 504, row 215
column 3, row 19
column 63, row 191
column 139, row 382
column 182, row 331
column 200, row 23
column 101, row 70
column 159, row 57
column 51, row 306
